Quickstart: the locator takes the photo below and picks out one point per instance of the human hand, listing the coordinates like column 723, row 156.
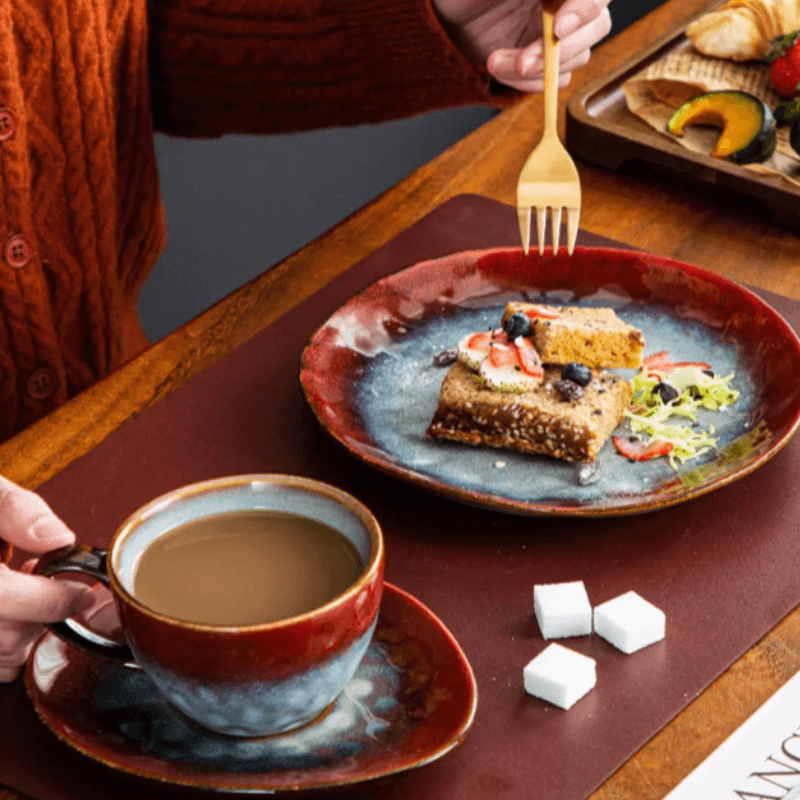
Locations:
column 27, row 601
column 505, row 36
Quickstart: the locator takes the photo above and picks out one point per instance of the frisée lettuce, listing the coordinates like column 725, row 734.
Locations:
column 674, row 423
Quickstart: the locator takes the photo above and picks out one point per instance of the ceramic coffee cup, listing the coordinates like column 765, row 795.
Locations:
column 242, row 680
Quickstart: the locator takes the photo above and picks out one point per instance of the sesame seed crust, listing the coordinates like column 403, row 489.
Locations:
column 536, row 421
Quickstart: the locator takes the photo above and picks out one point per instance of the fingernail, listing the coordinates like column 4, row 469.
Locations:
column 531, row 61
column 52, row 530
column 569, row 24
column 504, row 61
column 530, row 66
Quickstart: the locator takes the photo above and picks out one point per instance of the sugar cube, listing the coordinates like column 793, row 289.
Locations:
column 629, row 622
column 560, row 675
column 562, row 609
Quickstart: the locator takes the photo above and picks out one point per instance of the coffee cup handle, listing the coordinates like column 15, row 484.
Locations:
column 88, row 561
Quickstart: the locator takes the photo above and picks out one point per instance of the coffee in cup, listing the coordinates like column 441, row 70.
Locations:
column 245, row 568
column 249, row 601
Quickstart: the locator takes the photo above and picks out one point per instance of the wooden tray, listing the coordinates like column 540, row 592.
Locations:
column 601, row 130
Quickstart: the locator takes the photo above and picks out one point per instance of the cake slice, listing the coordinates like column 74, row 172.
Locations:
column 559, row 418
column 596, row 337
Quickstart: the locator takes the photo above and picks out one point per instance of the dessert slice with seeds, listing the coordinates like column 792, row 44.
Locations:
column 570, row 426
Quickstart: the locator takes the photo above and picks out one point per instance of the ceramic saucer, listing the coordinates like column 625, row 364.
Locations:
column 411, row 701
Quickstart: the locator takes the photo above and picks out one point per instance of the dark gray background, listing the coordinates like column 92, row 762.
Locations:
column 240, row 204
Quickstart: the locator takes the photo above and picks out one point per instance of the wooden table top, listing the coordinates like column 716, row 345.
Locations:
column 656, row 214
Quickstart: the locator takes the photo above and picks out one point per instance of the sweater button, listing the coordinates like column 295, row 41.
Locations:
column 7, row 124
column 41, row 383
column 17, row 252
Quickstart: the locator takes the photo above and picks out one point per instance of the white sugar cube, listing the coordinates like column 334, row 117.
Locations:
column 560, row 675
column 562, row 609
column 629, row 622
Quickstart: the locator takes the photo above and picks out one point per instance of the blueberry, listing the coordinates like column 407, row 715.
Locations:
column 517, row 324
column 577, row 373
column 569, row 391
column 666, row 391
column 446, row 357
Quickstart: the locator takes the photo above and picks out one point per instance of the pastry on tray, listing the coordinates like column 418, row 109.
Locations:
column 743, row 30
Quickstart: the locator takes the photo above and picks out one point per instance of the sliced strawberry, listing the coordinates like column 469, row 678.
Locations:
column 482, row 340
column 659, row 364
column 479, row 341
column 535, row 312
column 528, row 358
column 655, row 360
column 698, row 364
column 502, row 355
column 642, row 451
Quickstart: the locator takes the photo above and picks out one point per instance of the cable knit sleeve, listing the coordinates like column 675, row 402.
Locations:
column 270, row 66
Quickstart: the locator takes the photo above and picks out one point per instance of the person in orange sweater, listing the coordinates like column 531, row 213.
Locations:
column 83, row 86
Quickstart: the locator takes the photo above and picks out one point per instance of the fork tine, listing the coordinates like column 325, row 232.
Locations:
column 524, row 219
column 541, row 213
column 573, row 215
column 556, row 227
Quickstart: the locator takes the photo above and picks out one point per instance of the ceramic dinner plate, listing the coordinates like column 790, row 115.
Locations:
column 369, row 376
column 411, row 701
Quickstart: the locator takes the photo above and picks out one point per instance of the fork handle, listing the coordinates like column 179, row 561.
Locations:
column 552, row 54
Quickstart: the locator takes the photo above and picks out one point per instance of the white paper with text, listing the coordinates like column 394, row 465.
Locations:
column 759, row 761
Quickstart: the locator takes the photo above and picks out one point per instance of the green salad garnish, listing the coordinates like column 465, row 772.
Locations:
column 650, row 414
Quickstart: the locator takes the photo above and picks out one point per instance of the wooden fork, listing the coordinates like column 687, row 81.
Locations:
column 549, row 177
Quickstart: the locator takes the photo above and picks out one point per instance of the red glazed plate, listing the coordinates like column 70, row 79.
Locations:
column 412, row 700
column 368, row 374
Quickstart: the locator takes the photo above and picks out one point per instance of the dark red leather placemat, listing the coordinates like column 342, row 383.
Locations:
column 722, row 567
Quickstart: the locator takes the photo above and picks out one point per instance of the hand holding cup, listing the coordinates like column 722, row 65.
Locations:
column 28, row 601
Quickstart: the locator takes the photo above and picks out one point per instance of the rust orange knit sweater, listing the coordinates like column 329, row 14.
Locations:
column 83, row 85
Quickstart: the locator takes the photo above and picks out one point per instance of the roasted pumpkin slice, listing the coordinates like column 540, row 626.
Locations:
column 748, row 125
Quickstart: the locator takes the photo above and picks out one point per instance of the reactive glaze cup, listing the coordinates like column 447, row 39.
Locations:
column 248, row 680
